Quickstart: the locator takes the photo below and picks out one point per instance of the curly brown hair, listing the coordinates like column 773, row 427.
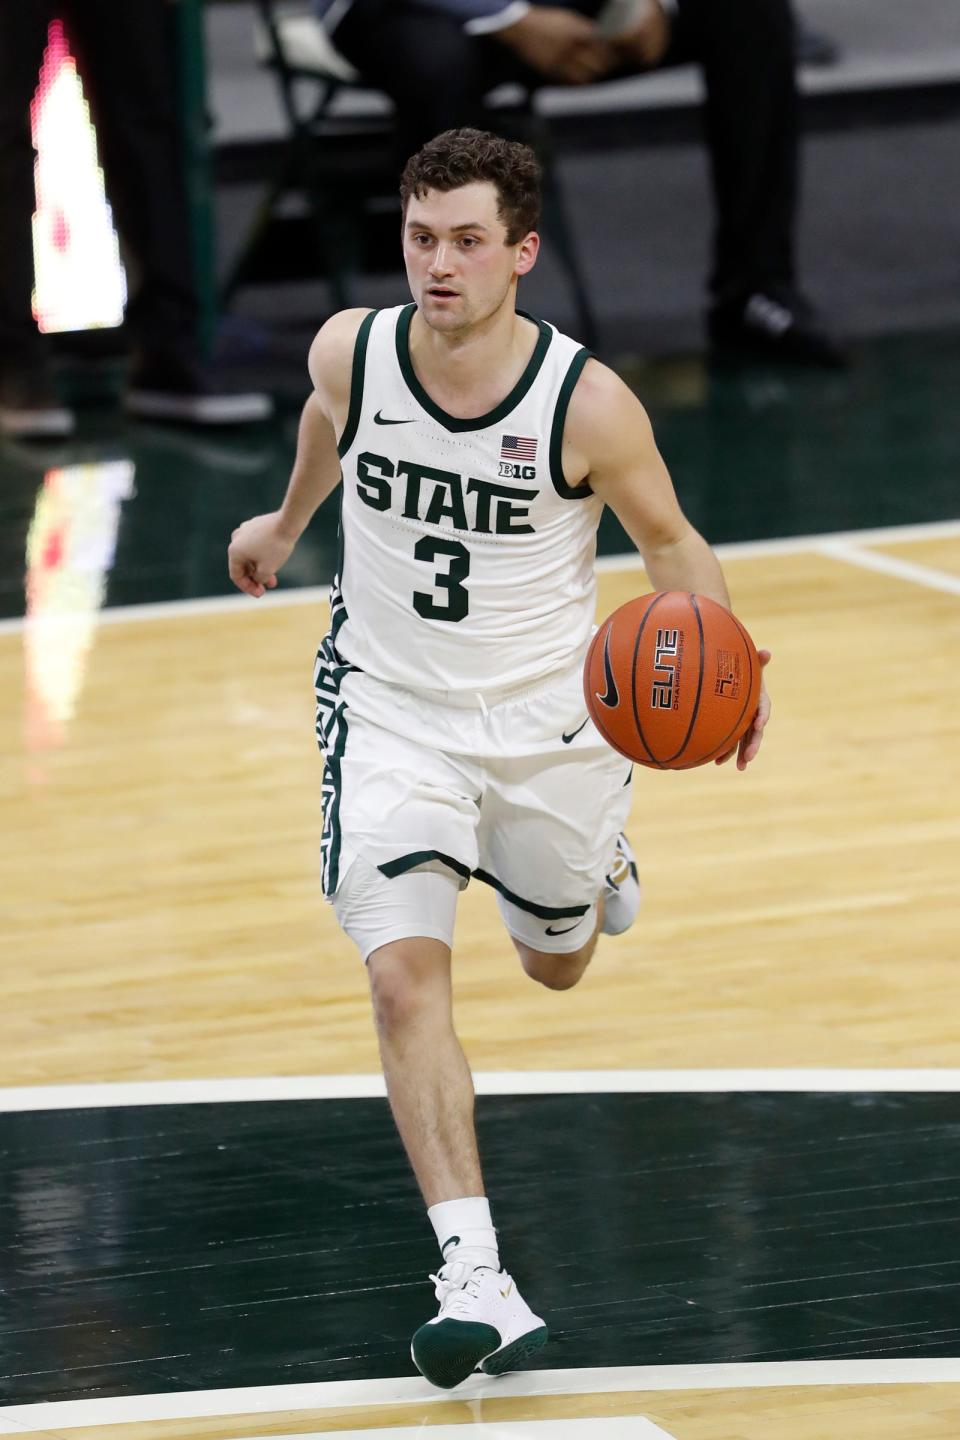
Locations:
column 459, row 157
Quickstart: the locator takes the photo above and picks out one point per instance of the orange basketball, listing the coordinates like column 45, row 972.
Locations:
column 672, row 680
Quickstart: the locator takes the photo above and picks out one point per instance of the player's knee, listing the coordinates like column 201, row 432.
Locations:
column 394, row 1002
column 409, row 985
column 399, row 1004
column 556, row 972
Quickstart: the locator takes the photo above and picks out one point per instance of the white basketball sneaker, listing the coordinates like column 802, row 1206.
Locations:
column 621, row 892
column 484, row 1324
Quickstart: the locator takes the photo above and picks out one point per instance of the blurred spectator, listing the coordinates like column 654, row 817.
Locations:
column 437, row 59
column 126, row 56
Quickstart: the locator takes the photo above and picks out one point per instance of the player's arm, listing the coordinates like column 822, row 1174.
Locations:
column 260, row 546
column 608, row 439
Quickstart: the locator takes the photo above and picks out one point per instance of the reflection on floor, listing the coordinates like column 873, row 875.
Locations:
column 136, row 513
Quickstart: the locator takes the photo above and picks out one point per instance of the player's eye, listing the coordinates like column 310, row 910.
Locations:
column 468, row 241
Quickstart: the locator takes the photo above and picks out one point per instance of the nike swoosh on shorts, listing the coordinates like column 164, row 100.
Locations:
column 573, row 735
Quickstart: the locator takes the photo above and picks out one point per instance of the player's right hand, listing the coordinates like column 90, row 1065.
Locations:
column 749, row 744
column 561, row 44
column 258, row 548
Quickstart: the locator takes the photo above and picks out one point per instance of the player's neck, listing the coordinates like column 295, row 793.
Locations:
column 470, row 371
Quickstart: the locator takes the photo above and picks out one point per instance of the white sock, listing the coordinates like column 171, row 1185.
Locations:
column 464, row 1231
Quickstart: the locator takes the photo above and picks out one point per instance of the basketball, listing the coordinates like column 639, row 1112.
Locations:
column 672, row 680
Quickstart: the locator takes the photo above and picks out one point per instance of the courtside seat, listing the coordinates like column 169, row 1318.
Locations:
column 305, row 45
column 348, row 189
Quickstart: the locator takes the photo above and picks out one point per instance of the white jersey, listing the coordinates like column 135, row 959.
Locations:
column 467, row 562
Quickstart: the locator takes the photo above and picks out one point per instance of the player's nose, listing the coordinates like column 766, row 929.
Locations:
column 439, row 265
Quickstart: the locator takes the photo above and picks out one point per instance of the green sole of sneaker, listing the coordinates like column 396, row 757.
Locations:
column 511, row 1355
column 448, row 1352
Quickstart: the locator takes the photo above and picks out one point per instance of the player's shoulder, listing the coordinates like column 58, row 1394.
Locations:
column 602, row 408
column 599, row 386
column 330, row 361
column 336, row 339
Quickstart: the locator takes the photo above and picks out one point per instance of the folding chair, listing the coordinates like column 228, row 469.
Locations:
column 342, row 165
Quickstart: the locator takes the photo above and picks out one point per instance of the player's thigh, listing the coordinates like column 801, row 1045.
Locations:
column 399, row 843
column 548, row 832
column 400, row 805
column 416, row 911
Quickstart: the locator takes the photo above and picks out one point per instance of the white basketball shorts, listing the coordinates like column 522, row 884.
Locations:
column 519, row 791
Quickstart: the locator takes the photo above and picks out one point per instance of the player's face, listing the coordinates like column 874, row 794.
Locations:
column 460, row 268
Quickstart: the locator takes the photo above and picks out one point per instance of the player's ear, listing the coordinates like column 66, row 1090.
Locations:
column 527, row 252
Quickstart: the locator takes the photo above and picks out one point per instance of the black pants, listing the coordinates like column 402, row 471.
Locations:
column 127, row 61
column 437, row 77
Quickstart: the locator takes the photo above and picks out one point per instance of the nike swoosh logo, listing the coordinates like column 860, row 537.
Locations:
column 567, row 738
column 551, row 931
column 506, row 1292
column 380, row 419
column 454, row 1240
column 611, row 696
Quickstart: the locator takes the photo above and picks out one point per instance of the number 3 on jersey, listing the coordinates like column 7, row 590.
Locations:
column 458, row 598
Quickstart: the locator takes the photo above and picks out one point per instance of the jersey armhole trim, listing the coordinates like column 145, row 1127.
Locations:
column 584, row 489
column 356, row 384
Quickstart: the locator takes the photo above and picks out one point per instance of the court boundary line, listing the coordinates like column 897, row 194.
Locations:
column 568, row 1427
column 640, row 1427
column 413, row 1390
column 801, row 544
column 604, row 565
column 246, row 1089
column 852, row 554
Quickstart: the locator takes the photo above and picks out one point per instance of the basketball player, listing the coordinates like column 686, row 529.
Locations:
column 477, row 448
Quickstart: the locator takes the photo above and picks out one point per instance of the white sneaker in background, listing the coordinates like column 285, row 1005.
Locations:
column 30, row 409
column 197, row 408
column 169, row 385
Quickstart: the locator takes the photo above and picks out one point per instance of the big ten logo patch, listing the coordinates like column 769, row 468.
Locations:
column 667, row 664
column 729, row 674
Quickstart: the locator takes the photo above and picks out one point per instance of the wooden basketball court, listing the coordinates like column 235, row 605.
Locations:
column 163, row 919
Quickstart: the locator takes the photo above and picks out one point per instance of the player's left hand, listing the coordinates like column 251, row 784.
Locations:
column 749, row 743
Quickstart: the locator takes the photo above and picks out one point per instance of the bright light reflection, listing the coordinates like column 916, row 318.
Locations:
column 80, row 281
column 70, row 551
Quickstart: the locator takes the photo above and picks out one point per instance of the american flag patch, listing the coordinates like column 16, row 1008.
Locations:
column 518, row 447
